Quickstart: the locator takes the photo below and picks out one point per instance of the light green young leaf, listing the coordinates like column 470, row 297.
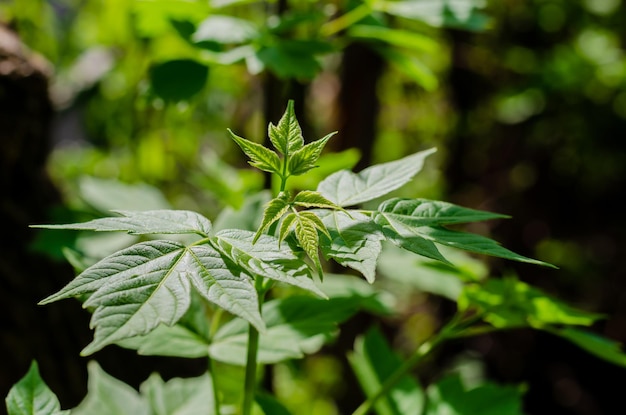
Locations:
column 296, row 325
column 147, row 284
column 309, row 199
column 511, row 303
column 145, row 222
column 285, row 226
column 260, row 157
column 402, row 38
column 264, row 258
column 423, row 212
column 452, row 397
column 346, row 188
column 308, row 239
column 354, row 242
column 179, row 396
column 599, row 346
column 109, row 396
column 274, row 210
column 467, row 242
column 287, row 135
column 31, row 396
column 373, row 361
column 305, row 158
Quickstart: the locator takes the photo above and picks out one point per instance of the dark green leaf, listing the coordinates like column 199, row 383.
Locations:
column 347, row 189
column 178, row 80
column 599, row 346
column 260, row 156
column 31, row 396
column 270, row 405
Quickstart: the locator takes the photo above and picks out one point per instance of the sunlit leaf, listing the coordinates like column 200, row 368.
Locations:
column 346, row 188
column 285, row 226
column 355, row 241
column 179, row 396
column 373, row 361
column 286, row 136
column 260, row 156
column 264, row 258
column 145, row 222
column 461, row 14
column 396, row 37
column 274, row 210
column 305, row 158
column 31, row 396
column 308, row 199
column 225, row 29
column 511, row 303
column 306, row 234
column 138, row 288
column 295, row 326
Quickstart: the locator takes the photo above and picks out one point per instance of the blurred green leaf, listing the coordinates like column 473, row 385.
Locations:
column 225, row 29
column 597, row 345
column 179, row 396
column 395, row 37
column 460, row 14
column 373, row 362
column 270, row 405
column 178, row 80
column 410, row 65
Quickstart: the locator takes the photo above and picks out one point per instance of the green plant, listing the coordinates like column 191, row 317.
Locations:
column 251, row 297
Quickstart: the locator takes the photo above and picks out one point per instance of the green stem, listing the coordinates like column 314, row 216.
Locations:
column 346, row 20
column 408, row 365
column 251, row 359
column 216, row 400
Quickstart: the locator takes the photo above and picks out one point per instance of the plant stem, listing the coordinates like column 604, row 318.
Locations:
column 216, row 400
column 408, row 365
column 251, row 358
column 346, row 20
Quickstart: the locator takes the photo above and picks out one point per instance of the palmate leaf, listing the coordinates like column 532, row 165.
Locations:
column 296, row 326
column 264, row 258
column 147, row 284
column 31, row 396
column 355, row 241
column 286, row 136
column 260, row 156
column 145, row 222
column 305, row 158
column 274, row 210
column 346, row 188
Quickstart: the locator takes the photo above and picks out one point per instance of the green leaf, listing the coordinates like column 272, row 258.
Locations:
column 179, row 396
column 460, row 14
column 260, row 156
column 248, row 217
column 109, row 194
column 347, row 189
column 285, row 226
column 354, row 241
column 225, row 30
column 308, row 199
column 373, row 362
column 290, row 59
column 138, row 288
column 145, row 222
column 511, row 303
column 411, row 66
column 449, row 396
column 274, row 210
column 599, row 346
column 396, row 37
column 423, row 212
column 178, row 80
column 308, row 239
column 468, row 242
column 264, row 258
column 270, row 405
column 296, row 325
column 305, row 158
column 189, row 337
column 109, row 396
column 287, row 135
column 31, row 396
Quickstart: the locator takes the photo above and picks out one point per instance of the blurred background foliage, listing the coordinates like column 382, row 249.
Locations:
column 525, row 101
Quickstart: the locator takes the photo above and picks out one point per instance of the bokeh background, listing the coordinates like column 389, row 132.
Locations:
column 125, row 104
